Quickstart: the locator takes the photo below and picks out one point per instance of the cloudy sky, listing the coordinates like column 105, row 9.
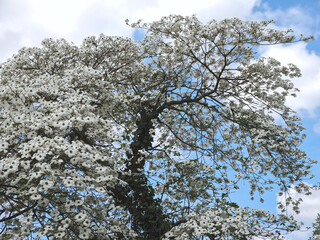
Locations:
column 28, row 22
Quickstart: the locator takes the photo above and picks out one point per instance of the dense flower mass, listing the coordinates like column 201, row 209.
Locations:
column 124, row 139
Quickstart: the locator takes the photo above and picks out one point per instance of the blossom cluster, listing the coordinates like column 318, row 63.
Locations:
column 230, row 223
column 58, row 158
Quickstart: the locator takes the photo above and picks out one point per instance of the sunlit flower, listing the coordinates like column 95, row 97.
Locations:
column 80, row 217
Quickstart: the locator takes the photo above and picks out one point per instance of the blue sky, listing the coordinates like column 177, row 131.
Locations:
column 27, row 22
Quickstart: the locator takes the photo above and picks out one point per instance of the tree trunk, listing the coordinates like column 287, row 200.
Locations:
column 138, row 197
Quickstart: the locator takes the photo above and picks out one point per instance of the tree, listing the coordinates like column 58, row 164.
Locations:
column 316, row 229
column 124, row 139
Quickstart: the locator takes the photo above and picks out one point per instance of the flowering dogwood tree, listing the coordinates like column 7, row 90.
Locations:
column 124, row 139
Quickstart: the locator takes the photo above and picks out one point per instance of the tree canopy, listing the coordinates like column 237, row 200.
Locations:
column 146, row 139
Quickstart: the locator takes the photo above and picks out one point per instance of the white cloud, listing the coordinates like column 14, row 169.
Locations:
column 309, row 209
column 26, row 23
column 301, row 21
column 316, row 127
column 58, row 16
column 298, row 235
column 309, row 84
column 205, row 9
column 295, row 17
column 228, row 9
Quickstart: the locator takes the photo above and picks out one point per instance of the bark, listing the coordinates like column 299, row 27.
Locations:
column 138, row 197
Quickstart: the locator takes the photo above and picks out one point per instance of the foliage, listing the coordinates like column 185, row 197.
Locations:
column 316, row 229
column 124, row 139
